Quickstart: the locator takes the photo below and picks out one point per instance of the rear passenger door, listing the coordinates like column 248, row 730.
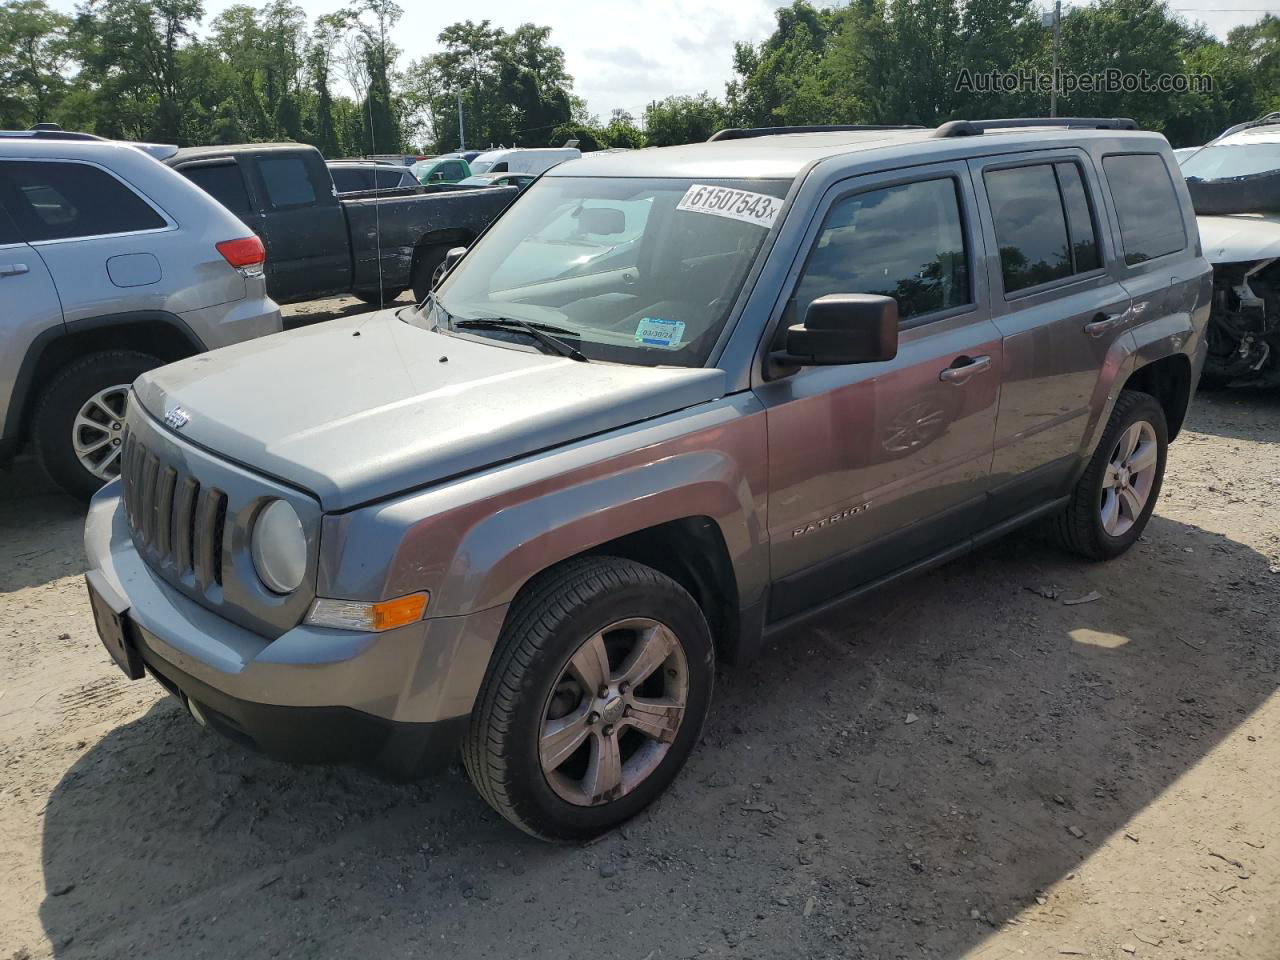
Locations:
column 874, row 466
column 1152, row 237
column 1061, row 310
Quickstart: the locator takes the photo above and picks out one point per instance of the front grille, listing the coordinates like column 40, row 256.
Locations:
column 177, row 523
column 190, row 514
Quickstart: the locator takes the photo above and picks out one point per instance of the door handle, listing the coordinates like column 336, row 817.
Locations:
column 963, row 368
column 13, row 269
column 1102, row 322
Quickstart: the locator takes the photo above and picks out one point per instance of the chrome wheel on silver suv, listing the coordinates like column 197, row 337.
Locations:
column 96, row 435
column 594, row 698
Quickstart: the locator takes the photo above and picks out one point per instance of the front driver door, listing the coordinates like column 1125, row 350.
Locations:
column 875, row 466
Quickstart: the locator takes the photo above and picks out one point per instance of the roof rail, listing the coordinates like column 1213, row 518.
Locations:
column 748, row 133
column 1264, row 120
column 974, row 128
column 48, row 131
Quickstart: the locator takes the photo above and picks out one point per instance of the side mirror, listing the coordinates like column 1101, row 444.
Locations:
column 452, row 257
column 843, row 328
column 437, row 176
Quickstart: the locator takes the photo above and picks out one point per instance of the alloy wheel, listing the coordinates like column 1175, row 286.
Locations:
column 1129, row 477
column 614, row 711
column 98, row 432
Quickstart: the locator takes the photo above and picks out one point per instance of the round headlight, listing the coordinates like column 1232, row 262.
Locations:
column 279, row 547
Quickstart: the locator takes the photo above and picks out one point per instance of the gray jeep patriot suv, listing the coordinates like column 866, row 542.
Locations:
column 668, row 404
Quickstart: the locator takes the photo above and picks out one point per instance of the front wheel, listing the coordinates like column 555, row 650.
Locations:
column 1114, row 497
column 428, row 268
column 595, row 696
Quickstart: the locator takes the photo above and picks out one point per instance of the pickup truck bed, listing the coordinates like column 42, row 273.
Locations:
column 319, row 245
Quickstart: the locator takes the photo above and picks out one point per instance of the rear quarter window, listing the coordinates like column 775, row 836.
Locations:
column 1147, row 205
column 60, row 201
column 222, row 181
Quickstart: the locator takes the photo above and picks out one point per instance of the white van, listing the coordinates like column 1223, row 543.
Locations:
column 534, row 160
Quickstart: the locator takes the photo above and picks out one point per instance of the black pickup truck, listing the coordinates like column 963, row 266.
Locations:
column 319, row 244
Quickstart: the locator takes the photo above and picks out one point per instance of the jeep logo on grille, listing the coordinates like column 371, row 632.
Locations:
column 177, row 418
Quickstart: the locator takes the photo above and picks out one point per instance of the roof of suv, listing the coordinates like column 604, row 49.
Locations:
column 785, row 155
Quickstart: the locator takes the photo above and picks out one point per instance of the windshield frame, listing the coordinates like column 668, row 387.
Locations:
column 436, row 313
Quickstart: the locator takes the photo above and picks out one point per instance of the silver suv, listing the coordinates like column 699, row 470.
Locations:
column 670, row 403
column 111, row 264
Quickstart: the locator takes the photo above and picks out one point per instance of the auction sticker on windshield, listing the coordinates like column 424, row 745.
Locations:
column 758, row 208
column 655, row 332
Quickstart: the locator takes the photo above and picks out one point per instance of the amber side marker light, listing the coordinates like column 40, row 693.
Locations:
column 368, row 617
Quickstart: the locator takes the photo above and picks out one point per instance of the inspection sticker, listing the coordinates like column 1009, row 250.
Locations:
column 655, row 332
column 757, row 208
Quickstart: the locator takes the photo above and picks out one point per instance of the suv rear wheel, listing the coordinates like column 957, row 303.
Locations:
column 1115, row 495
column 79, row 419
column 596, row 694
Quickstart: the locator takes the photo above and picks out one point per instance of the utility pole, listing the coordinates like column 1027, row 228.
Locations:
column 1057, row 36
column 462, row 134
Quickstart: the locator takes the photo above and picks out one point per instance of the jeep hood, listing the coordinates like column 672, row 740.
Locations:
column 366, row 407
column 1240, row 237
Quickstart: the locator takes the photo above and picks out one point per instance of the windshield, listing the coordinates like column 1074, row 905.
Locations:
column 481, row 165
column 642, row 271
column 1226, row 162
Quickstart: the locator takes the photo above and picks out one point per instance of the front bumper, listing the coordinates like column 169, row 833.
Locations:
column 396, row 702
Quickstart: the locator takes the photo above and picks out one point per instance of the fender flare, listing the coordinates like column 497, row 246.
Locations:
column 24, row 386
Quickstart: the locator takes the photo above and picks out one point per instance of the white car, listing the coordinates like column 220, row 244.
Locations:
column 1235, row 187
column 534, row 160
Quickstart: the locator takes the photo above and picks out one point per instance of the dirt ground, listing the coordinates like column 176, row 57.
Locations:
column 964, row 766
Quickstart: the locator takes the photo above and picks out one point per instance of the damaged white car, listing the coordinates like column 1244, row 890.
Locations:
column 1235, row 188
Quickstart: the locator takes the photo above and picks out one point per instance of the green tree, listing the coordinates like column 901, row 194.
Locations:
column 623, row 131
column 35, row 49
column 676, row 120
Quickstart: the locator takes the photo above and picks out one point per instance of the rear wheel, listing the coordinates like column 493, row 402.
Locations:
column 1114, row 497
column 79, row 419
column 427, row 270
column 594, row 699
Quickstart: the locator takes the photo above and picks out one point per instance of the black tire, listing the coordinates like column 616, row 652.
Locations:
column 373, row 298
column 1079, row 528
column 61, row 402
column 424, row 270
column 549, row 621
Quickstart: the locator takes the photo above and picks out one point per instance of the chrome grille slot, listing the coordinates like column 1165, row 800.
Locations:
column 205, row 540
column 147, row 498
column 164, row 512
column 184, row 521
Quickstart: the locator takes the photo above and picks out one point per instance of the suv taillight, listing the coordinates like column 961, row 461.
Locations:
column 246, row 254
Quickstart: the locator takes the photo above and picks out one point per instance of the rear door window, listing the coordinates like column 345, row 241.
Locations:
column 61, row 201
column 287, row 180
column 222, row 181
column 905, row 242
column 1084, row 237
column 1031, row 226
column 1147, row 205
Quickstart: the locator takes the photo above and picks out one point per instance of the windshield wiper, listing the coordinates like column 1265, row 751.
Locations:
column 542, row 332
